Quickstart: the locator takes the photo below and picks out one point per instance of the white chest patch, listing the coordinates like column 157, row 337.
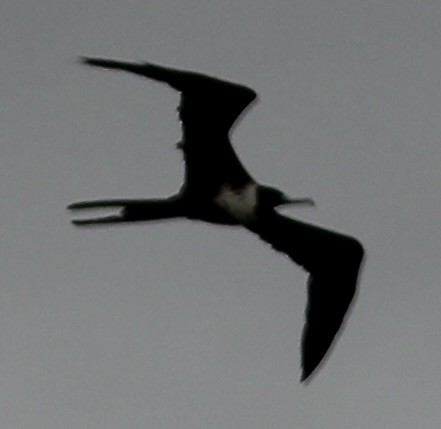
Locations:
column 238, row 202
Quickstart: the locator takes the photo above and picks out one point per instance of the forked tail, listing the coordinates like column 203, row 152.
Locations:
column 130, row 210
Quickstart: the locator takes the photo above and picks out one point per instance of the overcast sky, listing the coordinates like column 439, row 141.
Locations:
column 187, row 325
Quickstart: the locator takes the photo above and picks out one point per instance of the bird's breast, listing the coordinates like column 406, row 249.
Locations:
column 240, row 203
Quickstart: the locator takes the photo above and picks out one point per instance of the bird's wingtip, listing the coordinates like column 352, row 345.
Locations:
column 83, row 60
column 91, row 61
column 305, row 375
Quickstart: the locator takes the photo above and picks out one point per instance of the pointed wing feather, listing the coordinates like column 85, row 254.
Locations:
column 207, row 101
column 333, row 262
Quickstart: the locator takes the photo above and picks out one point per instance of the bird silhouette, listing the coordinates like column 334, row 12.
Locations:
column 218, row 189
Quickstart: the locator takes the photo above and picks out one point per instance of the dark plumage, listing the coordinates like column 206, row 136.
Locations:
column 218, row 189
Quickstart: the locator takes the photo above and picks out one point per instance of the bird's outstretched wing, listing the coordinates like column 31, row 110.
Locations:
column 208, row 109
column 333, row 261
column 207, row 101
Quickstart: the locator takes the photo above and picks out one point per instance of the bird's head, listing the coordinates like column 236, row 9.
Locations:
column 270, row 198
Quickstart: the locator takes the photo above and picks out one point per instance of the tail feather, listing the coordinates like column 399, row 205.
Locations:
column 131, row 210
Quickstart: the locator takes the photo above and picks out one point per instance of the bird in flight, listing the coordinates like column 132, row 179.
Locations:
column 218, row 189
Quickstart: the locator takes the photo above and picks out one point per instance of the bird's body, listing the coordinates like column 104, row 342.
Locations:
column 218, row 189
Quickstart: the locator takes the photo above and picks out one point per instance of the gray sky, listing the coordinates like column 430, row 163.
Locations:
column 186, row 325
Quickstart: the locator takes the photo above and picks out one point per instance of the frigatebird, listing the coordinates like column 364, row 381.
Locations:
column 218, row 189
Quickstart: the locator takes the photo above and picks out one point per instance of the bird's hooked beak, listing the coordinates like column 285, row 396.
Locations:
column 272, row 197
column 297, row 201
